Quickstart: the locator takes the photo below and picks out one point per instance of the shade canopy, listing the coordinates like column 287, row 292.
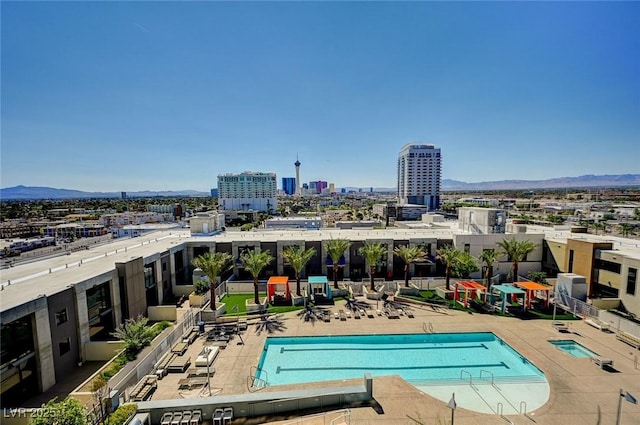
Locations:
column 531, row 288
column 470, row 289
column 507, row 289
column 278, row 287
column 509, row 294
column 319, row 285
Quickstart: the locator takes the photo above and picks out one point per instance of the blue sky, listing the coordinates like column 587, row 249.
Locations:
column 166, row 96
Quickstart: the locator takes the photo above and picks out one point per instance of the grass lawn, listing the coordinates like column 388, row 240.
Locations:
column 240, row 300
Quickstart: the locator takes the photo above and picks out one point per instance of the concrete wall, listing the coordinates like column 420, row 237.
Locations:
column 66, row 331
column 162, row 312
column 102, row 350
column 133, row 274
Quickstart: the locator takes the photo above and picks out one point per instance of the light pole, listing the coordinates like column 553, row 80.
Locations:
column 452, row 405
column 631, row 399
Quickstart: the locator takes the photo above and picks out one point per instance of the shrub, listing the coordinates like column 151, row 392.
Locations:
column 122, row 413
column 68, row 412
column 201, row 287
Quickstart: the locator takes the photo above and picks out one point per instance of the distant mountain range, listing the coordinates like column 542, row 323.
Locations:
column 34, row 192
column 590, row 180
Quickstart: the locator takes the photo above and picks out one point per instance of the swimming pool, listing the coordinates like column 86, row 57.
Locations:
column 574, row 349
column 430, row 362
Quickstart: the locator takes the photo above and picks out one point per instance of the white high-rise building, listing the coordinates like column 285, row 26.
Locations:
column 419, row 175
column 247, row 191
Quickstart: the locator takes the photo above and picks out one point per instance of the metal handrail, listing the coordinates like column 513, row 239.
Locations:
column 489, row 372
column 462, row 372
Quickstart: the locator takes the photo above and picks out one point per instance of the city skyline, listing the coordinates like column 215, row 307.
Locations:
column 165, row 96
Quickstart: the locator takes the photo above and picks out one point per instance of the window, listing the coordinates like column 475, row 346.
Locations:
column 570, row 270
column 164, row 267
column 61, row 317
column 65, row 346
column 631, row 281
column 608, row 266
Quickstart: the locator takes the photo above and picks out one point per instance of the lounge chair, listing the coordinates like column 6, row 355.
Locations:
column 560, row 326
column 628, row 338
column 597, row 324
column 602, row 362
column 356, row 314
column 196, row 417
column 379, row 312
column 409, row 314
column 186, row 418
column 370, row 314
column 227, row 415
column 343, row 316
column 177, row 418
column 348, row 314
column 336, row 315
column 166, row 418
column 217, row 416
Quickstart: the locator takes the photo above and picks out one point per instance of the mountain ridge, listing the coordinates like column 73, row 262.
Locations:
column 588, row 180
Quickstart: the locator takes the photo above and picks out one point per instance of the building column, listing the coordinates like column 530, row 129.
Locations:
column 44, row 348
column 157, row 267
column 83, row 321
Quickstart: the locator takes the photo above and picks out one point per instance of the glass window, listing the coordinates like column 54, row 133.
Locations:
column 61, row 317
column 631, row 281
column 65, row 346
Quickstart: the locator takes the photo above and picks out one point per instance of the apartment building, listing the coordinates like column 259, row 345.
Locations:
column 419, row 175
column 247, row 191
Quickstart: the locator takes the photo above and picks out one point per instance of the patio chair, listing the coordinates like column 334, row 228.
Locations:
column 196, row 417
column 217, row 416
column 602, row 361
column 227, row 415
column 560, row 326
column 177, row 418
column 186, row 418
column 409, row 314
column 166, row 418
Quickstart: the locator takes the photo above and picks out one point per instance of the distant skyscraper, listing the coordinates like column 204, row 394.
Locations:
column 419, row 175
column 247, row 191
column 297, row 164
column 214, row 193
column 289, row 185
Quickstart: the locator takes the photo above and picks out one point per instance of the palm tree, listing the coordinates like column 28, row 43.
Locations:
column 213, row 265
column 254, row 262
column 599, row 226
column 449, row 255
column 625, row 229
column 489, row 257
column 372, row 253
column 298, row 257
column 516, row 251
column 409, row 255
column 464, row 265
column 335, row 249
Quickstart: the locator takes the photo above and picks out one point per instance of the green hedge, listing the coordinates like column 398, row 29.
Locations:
column 122, row 413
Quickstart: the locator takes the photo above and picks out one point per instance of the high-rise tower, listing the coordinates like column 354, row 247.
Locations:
column 419, row 175
column 297, row 164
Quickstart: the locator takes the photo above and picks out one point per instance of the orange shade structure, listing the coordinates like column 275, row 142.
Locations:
column 470, row 289
column 531, row 288
column 278, row 287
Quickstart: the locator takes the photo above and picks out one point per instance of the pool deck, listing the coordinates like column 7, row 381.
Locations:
column 579, row 389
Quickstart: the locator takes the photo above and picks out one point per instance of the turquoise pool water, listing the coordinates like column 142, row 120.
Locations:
column 574, row 349
column 420, row 359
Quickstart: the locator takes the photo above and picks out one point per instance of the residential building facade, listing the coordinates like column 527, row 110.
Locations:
column 248, row 191
column 419, row 175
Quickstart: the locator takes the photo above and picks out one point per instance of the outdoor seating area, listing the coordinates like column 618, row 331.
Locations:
column 178, row 364
column 144, row 389
column 560, row 326
column 464, row 291
column 278, row 291
column 222, row 416
column 319, row 289
column 186, row 417
column 533, row 292
column 507, row 297
column 602, row 362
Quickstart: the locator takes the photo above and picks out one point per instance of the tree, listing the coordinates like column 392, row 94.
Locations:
column 516, row 251
column 409, row 255
column 625, row 229
column 335, row 249
column 539, row 277
column 213, row 265
column 449, row 256
column 136, row 335
column 464, row 265
column 66, row 412
column 254, row 262
column 599, row 226
column 372, row 253
column 298, row 257
column 489, row 257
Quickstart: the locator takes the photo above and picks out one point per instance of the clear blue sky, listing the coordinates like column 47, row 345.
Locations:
column 130, row 96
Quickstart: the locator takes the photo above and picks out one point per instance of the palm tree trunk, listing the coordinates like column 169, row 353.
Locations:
column 372, row 270
column 256, row 298
column 447, row 275
column 298, row 284
column 406, row 275
column 335, row 278
column 213, row 296
column 489, row 277
column 515, row 271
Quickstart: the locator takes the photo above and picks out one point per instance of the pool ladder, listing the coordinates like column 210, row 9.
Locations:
column 254, row 383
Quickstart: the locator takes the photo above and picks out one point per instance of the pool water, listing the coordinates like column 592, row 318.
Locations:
column 574, row 349
column 480, row 364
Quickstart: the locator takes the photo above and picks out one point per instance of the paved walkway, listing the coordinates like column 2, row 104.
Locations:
column 579, row 390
